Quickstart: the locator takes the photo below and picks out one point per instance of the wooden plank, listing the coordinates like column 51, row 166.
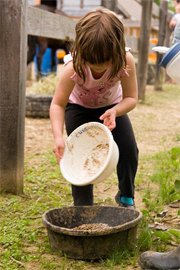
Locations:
column 144, row 47
column 160, row 72
column 59, row 4
column 136, row 23
column 13, row 51
column 50, row 25
column 112, row 5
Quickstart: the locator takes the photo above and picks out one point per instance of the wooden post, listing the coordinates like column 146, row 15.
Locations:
column 168, row 40
column 81, row 3
column 59, row 4
column 142, row 68
column 13, row 53
column 112, row 5
column 161, row 42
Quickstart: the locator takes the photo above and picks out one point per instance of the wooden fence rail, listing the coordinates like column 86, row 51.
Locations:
column 44, row 23
column 17, row 21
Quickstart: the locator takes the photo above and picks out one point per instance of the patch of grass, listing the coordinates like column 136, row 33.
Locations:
column 144, row 234
column 163, row 172
column 121, row 259
column 23, row 238
column 164, row 189
column 166, row 174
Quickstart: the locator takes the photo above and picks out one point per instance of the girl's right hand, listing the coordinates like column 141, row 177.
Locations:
column 59, row 148
column 109, row 118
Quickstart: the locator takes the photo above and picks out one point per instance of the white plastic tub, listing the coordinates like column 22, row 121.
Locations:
column 171, row 62
column 90, row 155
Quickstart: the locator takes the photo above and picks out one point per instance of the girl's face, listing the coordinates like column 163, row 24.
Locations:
column 99, row 68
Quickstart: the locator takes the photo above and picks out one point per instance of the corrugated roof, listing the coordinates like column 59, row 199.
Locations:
column 132, row 9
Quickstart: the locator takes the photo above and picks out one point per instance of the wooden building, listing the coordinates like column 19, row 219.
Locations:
column 131, row 17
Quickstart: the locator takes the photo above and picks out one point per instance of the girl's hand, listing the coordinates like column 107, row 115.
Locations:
column 172, row 24
column 59, row 148
column 109, row 118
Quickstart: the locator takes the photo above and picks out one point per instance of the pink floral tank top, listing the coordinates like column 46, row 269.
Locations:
column 95, row 93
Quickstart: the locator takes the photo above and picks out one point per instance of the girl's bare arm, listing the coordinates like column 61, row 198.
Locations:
column 57, row 108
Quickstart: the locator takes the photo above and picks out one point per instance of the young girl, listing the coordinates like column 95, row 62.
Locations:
column 99, row 84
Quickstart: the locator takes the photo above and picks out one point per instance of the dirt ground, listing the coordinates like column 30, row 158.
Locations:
column 156, row 128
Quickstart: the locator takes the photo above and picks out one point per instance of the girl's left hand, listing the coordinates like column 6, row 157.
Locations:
column 109, row 118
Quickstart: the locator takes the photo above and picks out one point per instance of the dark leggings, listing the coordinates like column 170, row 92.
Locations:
column 123, row 134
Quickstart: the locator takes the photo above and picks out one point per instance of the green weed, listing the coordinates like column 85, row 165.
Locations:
column 167, row 176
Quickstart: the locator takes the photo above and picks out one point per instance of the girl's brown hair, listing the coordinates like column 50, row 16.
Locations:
column 99, row 38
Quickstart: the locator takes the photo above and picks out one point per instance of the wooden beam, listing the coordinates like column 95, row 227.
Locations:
column 160, row 72
column 81, row 3
column 59, row 4
column 112, row 5
column 142, row 68
column 13, row 51
column 136, row 23
column 50, row 25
